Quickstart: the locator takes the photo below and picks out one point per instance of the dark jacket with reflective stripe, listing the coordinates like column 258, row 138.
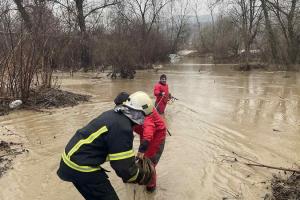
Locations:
column 110, row 135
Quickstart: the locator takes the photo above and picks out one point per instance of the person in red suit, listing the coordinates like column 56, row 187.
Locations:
column 152, row 137
column 161, row 92
column 152, row 141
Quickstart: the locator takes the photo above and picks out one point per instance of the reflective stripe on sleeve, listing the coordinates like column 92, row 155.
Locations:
column 88, row 140
column 121, row 155
column 134, row 177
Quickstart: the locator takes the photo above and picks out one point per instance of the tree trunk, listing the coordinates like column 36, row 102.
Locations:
column 85, row 59
column 246, row 44
column 288, row 29
column 176, row 39
column 24, row 15
column 271, row 35
column 293, row 45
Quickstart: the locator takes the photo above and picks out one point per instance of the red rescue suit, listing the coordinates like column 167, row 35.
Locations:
column 161, row 92
column 152, row 134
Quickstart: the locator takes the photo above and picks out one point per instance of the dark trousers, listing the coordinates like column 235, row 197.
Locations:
column 98, row 191
column 155, row 160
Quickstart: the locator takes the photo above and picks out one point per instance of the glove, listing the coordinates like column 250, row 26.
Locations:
column 140, row 155
column 162, row 94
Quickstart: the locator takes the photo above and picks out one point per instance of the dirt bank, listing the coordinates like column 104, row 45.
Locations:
column 48, row 98
column 8, row 151
column 285, row 186
column 45, row 98
column 11, row 145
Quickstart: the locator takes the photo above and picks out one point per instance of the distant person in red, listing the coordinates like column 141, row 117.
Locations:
column 152, row 141
column 161, row 92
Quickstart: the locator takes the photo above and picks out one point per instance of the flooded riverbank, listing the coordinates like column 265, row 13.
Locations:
column 255, row 114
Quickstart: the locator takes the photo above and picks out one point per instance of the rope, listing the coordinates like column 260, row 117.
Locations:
column 157, row 110
column 146, row 165
column 159, row 102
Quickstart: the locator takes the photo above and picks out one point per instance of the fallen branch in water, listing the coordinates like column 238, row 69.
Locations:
column 246, row 158
column 271, row 167
column 256, row 164
column 281, row 188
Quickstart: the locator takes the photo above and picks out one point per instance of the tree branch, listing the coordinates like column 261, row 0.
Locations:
column 271, row 167
column 63, row 5
column 257, row 164
column 58, row 2
column 156, row 13
column 101, row 7
column 276, row 6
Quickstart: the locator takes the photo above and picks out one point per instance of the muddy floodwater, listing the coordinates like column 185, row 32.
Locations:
column 255, row 114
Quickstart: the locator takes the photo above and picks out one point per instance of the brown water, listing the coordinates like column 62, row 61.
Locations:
column 219, row 111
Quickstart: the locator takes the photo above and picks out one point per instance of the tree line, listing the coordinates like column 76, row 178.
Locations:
column 40, row 36
column 268, row 29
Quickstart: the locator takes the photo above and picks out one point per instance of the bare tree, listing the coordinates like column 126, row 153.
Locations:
column 288, row 16
column 269, row 29
column 84, row 9
column 146, row 13
column 211, row 7
column 30, row 50
column 200, row 42
column 81, row 17
column 247, row 14
column 284, row 16
column 24, row 14
column 179, row 21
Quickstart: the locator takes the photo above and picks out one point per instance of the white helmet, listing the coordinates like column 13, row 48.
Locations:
column 140, row 101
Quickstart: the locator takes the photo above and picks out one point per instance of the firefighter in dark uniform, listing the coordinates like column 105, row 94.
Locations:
column 108, row 137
